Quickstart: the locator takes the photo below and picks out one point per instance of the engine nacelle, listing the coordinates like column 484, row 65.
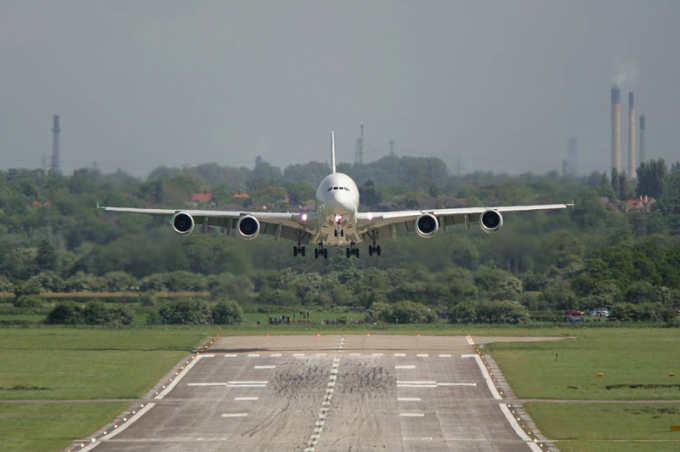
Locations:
column 183, row 223
column 248, row 227
column 427, row 225
column 491, row 221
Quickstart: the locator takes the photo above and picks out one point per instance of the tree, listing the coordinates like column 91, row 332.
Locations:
column 227, row 312
column 651, row 178
column 46, row 259
column 67, row 313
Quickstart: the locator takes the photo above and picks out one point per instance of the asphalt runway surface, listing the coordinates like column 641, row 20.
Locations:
column 330, row 393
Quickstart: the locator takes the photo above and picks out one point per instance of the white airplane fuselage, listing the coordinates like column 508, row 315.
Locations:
column 337, row 203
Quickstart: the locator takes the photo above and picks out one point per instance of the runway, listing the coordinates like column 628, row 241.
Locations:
column 335, row 393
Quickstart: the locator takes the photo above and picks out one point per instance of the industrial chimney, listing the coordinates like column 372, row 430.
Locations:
column 643, row 155
column 56, row 131
column 616, row 129
column 632, row 157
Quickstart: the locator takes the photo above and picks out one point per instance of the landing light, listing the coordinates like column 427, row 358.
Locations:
column 303, row 217
column 369, row 217
column 338, row 218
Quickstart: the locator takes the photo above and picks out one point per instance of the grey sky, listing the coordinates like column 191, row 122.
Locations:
column 501, row 84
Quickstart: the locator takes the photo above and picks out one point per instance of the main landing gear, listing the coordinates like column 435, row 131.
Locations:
column 352, row 251
column 298, row 250
column 374, row 249
column 321, row 251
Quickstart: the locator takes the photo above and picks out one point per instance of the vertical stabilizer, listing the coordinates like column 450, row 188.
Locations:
column 332, row 152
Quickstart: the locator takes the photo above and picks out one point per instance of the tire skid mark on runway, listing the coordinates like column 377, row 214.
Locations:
column 319, row 425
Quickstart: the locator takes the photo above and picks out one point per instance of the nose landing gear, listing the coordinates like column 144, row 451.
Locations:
column 374, row 249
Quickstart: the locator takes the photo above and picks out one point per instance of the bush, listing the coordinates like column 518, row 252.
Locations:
column 402, row 312
column 28, row 301
column 227, row 312
column 67, row 313
column 94, row 312
column 504, row 311
column 185, row 311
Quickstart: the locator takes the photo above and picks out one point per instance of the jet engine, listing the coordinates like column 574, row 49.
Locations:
column 248, row 227
column 427, row 225
column 183, row 223
column 491, row 221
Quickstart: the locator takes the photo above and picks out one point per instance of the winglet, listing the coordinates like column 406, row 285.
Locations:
column 100, row 207
column 332, row 152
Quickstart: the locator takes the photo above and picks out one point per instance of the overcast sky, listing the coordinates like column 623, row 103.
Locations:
column 500, row 84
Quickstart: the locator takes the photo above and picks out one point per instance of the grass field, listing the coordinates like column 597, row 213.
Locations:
column 609, row 427
column 635, row 363
column 44, row 427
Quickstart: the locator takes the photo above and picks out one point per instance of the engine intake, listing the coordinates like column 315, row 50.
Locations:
column 248, row 227
column 427, row 225
column 183, row 223
column 491, row 221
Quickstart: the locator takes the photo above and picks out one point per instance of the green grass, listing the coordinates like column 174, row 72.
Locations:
column 23, row 317
column 62, row 363
column 627, row 357
column 609, row 427
column 50, row 427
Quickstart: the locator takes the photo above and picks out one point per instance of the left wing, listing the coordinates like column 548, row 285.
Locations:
column 394, row 224
column 290, row 226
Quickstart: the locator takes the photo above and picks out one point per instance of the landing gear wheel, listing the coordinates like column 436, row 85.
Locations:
column 342, row 232
column 325, row 253
column 349, row 253
column 377, row 249
column 370, row 250
column 302, row 251
column 295, row 251
column 316, row 253
column 356, row 252
column 336, row 232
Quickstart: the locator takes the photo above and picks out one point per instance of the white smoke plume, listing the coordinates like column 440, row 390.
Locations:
column 626, row 72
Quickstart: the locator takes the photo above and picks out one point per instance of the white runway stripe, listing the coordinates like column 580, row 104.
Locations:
column 412, row 414
column 405, row 367
column 235, row 415
column 265, row 367
column 246, row 399
column 409, row 399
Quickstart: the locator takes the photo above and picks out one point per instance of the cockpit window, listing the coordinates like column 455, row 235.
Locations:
column 329, row 188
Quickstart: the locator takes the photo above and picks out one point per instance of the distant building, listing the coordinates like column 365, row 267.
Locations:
column 241, row 195
column 641, row 204
column 198, row 198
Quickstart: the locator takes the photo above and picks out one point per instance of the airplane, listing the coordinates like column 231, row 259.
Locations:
column 337, row 221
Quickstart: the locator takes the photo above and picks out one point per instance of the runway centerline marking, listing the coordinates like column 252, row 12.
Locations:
column 412, row 414
column 246, row 399
column 265, row 367
column 404, row 367
column 234, row 414
column 319, row 426
column 409, row 399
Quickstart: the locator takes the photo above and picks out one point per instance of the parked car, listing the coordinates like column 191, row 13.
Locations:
column 574, row 313
column 600, row 312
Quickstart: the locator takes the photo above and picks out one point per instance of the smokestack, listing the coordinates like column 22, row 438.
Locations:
column 643, row 125
column 632, row 157
column 572, row 157
column 56, row 131
column 616, row 129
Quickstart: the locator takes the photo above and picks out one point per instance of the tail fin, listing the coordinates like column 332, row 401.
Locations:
column 332, row 152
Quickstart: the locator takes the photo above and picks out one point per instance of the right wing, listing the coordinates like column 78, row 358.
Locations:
column 289, row 226
column 394, row 224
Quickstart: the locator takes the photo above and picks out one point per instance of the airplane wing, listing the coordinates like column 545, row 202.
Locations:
column 290, row 226
column 393, row 224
